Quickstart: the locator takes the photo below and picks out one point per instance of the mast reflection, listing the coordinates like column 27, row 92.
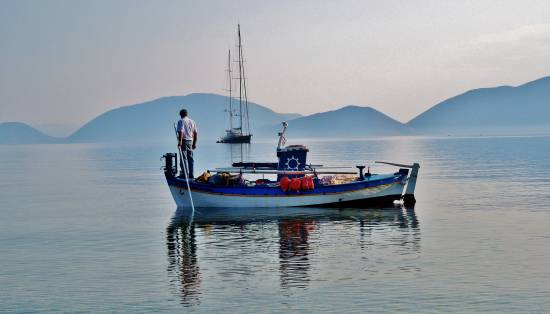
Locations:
column 238, row 152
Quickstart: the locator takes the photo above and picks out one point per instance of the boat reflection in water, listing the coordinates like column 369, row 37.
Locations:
column 240, row 244
column 294, row 250
column 182, row 257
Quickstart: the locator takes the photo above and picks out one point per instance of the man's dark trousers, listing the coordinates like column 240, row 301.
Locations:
column 187, row 151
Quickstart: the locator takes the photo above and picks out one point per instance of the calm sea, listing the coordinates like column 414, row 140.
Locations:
column 93, row 228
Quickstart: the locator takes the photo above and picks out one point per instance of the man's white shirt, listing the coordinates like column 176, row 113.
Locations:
column 188, row 127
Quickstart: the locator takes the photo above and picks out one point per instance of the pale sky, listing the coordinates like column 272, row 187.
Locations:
column 68, row 61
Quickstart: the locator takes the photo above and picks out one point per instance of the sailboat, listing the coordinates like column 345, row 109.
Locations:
column 241, row 132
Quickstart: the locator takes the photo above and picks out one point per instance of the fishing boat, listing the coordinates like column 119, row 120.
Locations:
column 294, row 183
column 241, row 132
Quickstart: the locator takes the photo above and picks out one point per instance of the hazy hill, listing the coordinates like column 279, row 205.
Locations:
column 154, row 119
column 349, row 121
column 21, row 133
column 498, row 110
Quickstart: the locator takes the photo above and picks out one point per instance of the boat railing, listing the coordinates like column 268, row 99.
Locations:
column 269, row 171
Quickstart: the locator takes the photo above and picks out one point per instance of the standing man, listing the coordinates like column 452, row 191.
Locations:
column 187, row 141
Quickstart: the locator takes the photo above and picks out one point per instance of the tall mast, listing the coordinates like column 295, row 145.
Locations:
column 240, row 79
column 241, row 57
column 230, row 95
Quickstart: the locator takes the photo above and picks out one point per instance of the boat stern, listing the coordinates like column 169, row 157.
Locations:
column 408, row 197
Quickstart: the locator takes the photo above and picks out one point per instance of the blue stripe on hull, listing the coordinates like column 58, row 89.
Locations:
column 376, row 180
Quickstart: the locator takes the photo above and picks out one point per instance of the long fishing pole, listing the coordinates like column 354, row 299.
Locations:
column 185, row 169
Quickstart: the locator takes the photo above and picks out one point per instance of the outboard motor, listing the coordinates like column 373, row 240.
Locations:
column 292, row 158
column 171, row 164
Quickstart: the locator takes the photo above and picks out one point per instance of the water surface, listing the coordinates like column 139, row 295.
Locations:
column 93, row 228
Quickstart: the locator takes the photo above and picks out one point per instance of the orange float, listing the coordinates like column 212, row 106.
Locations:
column 310, row 184
column 307, row 183
column 284, row 184
column 295, row 184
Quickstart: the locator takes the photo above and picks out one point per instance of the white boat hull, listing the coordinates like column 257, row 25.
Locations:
column 204, row 199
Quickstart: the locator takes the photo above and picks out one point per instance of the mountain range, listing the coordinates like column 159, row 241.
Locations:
column 524, row 109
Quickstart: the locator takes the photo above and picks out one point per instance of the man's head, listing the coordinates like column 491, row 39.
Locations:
column 183, row 113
